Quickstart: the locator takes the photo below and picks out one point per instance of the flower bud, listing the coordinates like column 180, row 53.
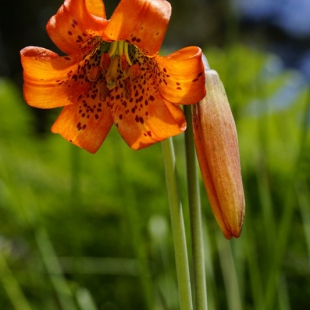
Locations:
column 217, row 149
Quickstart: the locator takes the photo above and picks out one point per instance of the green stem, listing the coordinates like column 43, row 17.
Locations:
column 178, row 228
column 11, row 286
column 54, row 270
column 195, row 216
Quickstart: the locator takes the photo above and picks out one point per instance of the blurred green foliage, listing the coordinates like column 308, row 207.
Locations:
column 82, row 231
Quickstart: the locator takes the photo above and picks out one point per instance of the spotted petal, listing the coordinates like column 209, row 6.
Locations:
column 75, row 22
column 85, row 124
column 147, row 121
column 47, row 78
column 139, row 22
column 181, row 78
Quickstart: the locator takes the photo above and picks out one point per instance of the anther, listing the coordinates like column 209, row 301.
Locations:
column 105, row 61
column 93, row 73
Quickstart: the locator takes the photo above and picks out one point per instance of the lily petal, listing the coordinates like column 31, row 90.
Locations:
column 181, row 77
column 85, row 125
column 96, row 8
column 75, row 22
column 46, row 77
column 148, row 123
column 141, row 23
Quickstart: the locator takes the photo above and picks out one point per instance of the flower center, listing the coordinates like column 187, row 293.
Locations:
column 119, row 57
column 111, row 65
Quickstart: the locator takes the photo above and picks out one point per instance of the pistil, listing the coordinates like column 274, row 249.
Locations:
column 111, row 76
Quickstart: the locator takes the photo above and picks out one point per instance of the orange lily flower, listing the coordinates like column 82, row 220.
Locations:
column 112, row 74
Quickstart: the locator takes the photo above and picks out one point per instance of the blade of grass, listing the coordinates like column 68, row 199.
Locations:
column 253, row 267
column 11, row 286
column 229, row 273
column 283, row 296
column 85, row 300
column 54, row 270
column 303, row 198
column 209, row 250
column 178, row 229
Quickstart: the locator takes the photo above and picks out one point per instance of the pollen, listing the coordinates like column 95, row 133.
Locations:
column 105, row 61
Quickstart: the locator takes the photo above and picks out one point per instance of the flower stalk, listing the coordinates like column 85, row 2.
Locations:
column 178, row 229
column 199, row 275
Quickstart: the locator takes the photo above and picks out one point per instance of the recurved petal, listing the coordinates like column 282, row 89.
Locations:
column 182, row 78
column 46, row 78
column 96, row 8
column 75, row 22
column 218, row 154
column 140, row 22
column 85, row 125
column 149, row 124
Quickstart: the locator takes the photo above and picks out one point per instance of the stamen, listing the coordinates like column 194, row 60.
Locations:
column 105, row 61
column 118, row 59
column 120, row 48
column 113, row 47
column 111, row 76
column 126, row 53
column 124, row 64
